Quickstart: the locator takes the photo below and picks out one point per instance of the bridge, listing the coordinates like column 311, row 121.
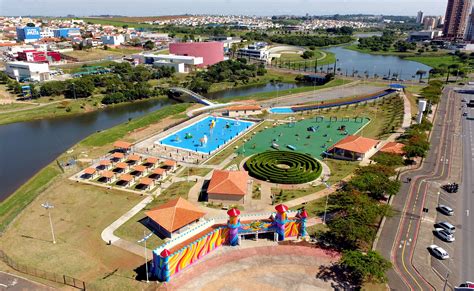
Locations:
column 195, row 96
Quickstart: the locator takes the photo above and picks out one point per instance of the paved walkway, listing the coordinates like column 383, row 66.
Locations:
column 109, row 236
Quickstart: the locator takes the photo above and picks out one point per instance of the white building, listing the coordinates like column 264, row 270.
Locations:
column 182, row 64
column 28, row 71
column 46, row 32
column 255, row 51
column 112, row 39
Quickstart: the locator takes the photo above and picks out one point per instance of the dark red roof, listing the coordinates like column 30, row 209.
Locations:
column 233, row 212
column 165, row 253
column 281, row 208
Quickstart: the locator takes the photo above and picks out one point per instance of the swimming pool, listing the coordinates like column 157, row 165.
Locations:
column 206, row 135
column 281, row 110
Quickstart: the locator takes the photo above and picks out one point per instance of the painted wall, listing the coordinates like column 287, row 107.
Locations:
column 211, row 52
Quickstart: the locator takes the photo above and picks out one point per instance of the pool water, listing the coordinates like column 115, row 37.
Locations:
column 281, row 110
column 193, row 137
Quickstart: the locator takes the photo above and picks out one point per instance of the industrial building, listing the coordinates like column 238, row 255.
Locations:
column 457, row 13
column 23, row 71
column 28, row 34
column 424, row 35
column 66, row 32
column 211, row 52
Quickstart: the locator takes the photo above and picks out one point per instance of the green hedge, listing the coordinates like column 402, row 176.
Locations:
column 283, row 167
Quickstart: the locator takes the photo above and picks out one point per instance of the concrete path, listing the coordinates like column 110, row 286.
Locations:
column 109, row 236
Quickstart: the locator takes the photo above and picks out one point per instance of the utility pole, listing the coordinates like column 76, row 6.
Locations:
column 49, row 206
column 144, row 239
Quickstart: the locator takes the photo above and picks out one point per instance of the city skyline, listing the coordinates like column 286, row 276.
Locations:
column 246, row 7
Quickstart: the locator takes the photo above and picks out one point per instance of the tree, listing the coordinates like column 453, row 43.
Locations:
column 149, row 45
column 375, row 181
column 388, row 159
column 79, row 88
column 307, row 54
column 366, row 267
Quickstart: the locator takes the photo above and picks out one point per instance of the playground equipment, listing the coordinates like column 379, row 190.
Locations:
column 176, row 138
column 188, row 135
column 203, row 140
column 312, row 129
column 275, row 146
column 291, row 147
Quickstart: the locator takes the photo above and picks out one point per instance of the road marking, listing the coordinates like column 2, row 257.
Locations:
column 467, row 212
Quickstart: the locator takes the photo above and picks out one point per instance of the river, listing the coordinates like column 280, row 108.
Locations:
column 26, row 147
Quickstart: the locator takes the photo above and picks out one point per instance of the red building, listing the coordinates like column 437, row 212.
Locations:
column 39, row 57
column 211, row 52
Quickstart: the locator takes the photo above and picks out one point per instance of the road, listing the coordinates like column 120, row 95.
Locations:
column 13, row 282
column 400, row 232
column 467, row 190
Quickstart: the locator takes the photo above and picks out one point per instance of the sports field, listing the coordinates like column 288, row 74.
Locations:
column 324, row 133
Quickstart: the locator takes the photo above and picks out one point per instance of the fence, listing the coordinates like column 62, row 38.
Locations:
column 53, row 277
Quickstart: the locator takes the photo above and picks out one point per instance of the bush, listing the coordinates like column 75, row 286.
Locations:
column 387, row 159
column 283, row 167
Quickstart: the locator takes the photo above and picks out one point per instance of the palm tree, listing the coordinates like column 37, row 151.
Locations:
column 420, row 73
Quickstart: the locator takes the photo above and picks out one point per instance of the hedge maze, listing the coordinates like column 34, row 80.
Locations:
column 283, row 167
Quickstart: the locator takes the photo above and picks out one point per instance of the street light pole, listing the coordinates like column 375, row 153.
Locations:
column 327, row 200
column 144, row 239
column 48, row 206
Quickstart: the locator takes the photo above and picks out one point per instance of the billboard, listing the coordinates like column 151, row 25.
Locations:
column 32, row 32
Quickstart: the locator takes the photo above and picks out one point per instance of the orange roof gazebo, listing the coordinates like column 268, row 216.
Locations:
column 170, row 163
column 121, row 166
column 89, row 171
column 393, row 148
column 134, row 158
column 159, row 171
column 104, row 163
column 126, row 177
column 118, row 156
column 152, row 160
column 146, row 181
column 107, row 174
column 122, row 145
column 140, row 168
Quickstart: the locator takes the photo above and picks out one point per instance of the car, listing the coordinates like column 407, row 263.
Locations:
column 444, row 235
column 464, row 114
column 446, row 210
column 438, row 252
column 447, row 226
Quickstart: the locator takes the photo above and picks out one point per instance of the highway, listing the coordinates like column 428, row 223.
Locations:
column 400, row 233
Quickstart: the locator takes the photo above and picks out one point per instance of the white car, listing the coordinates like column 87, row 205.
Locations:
column 444, row 234
column 439, row 252
column 446, row 210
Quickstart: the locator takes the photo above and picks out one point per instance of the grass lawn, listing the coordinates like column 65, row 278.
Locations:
column 340, row 169
column 15, row 106
column 194, row 172
column 133, row 229
column 435, row 61
column 80, row 214
column 282, row 195
column 99, row 54
column 323, row 57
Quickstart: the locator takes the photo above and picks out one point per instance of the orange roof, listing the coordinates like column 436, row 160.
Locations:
column 134, row 158
column 159, row 171
column 146, row 181
column 121, row 165
column 393, row 148
column 228, row 183
column 122, row 144
column 140, row 168
column 126, row 177
column 244, row 107
column 170, row 163
column 357, row 144
column 107, row 174
column 175, row 214
column 104, row 163
column 89, row 171
column 118, row 155
column 152, row 160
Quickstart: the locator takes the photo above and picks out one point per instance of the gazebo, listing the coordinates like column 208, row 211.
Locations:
column 104, row 165
column 158, row 173
column 107, row 176
column 122, row 146
column 140, row 169
column 121, row 167
column 88, row 173
column 117, row 157
column 146, row 183
column 170, row 165
column 133, row 159
column 125, row 179
column 151, row 162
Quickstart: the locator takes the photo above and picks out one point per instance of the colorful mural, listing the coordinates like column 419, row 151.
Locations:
column 167, row 264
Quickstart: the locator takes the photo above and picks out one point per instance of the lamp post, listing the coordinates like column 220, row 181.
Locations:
column 327, row 200
column 49, row 206
column 335, row 65
column 144, row 239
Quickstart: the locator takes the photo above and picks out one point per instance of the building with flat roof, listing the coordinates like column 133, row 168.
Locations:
column 22, row 71
column 181, row 64
column 28, row 34
column 211, row 52
column 455, row 23
column 228, row 187
column 257, row 51
column 113, row 40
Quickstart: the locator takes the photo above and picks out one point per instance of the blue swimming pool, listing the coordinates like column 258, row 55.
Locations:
column 206, row 135
column 281, row 110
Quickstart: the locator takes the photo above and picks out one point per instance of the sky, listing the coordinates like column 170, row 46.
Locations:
column 246, row 7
